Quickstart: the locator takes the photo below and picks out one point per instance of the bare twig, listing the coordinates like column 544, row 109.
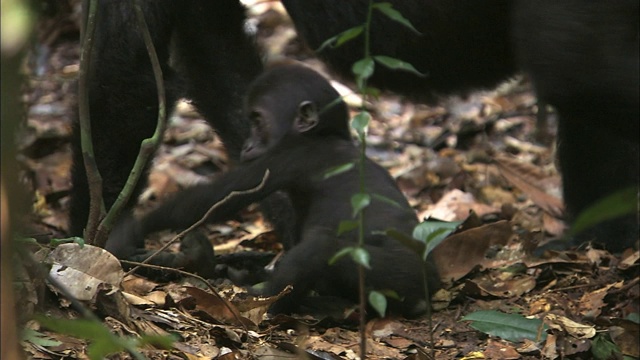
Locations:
column 205, row 216
column 191, row 228
column 233, row 310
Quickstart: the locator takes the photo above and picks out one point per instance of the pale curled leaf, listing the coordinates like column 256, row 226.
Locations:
column 361, row 257
column 359, row 202
column 81, row 269
column 378, row 302
column 580, row 331
column 360, row 122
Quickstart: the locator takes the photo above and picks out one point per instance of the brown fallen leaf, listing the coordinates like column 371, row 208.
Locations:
column 81, row 269
column 591, row 303
column 625, row 334
column 460, row 253
column 500, row 350
column 456, row 205
column 550, row 349
column 218, row 308
column 531, row 181
column 569, row 326
column 505, row 288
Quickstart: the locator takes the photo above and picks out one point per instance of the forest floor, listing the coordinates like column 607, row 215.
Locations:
column 486, row 154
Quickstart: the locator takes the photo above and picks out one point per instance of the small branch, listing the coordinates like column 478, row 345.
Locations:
column 363, row 312
column 362, row 186
column 191, row 228
column 206, row 216
column 94, row 180
column 427, row 297
column 148, row 146
column 234, row 311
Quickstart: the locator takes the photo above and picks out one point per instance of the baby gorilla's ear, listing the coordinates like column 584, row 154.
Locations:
column 307, row 117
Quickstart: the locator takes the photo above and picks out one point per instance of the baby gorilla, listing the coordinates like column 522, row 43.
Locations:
column 298, row 133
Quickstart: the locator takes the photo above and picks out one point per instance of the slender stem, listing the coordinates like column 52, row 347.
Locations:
column 361, row 170
column 427, row 297
column 148, row 146
column 94, row 180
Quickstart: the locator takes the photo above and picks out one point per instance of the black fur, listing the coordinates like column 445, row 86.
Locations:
column 581, row 56
column 216, row 61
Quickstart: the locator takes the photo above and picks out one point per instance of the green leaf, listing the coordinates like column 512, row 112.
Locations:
column 390, row 294
column 363, row 69
column 327, row 43
column 337, row 170
column 340, row 254
column 347, row 225
column 603, row 348
column 414, row 245
column 512, row 327
column 361, row 257
column 386, row 200
column 635, row 317
column 359, row 201
column 396, row 64
column 432, row 233
column 27, row 241
column 348, row 35
column 341, row 38
column 429, row 230
column 393, row 14
column 360, row 122
column 74, row 239
column 378, row 302
column 620, row 203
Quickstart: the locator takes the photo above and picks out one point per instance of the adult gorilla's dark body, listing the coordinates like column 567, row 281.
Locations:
column 216, row 61
column 581, row 55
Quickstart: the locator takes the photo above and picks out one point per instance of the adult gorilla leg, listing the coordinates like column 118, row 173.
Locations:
column 583, row 59
column 594, row 164
column 122, row 98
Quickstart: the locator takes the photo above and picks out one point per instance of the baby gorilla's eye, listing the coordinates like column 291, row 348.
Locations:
column 255, row 117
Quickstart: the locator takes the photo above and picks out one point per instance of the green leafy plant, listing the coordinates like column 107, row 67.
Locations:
column 363, row 69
